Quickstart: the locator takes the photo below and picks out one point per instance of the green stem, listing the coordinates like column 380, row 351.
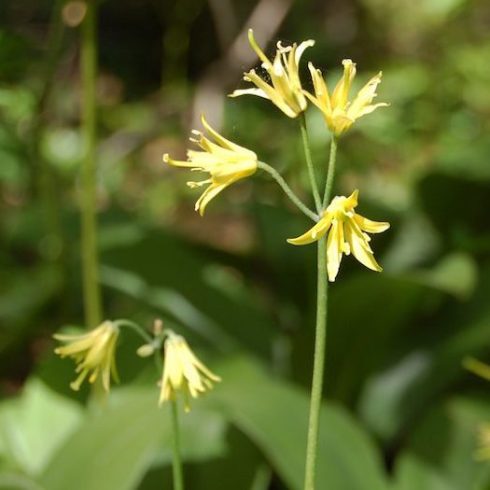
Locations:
column 177, row 460
column 294, row 198
column 136, row 328
column 320, row 341
column 91, row 287
column 309, row 163
column 331, row 172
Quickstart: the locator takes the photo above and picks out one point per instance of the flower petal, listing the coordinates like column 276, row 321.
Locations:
column 360, row 248
column 364, row 98
column 370, row 226
column 211, row 192
column 341, row 92
column 249, row 91
column 334, row 249
column 314, row 233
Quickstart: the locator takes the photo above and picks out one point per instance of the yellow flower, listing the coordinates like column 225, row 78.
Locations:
column 183, row 372
column 226, row 162
column 483, row 452
column 285, row 89
column 346, row 233
column 93, row 352
column 338, row 112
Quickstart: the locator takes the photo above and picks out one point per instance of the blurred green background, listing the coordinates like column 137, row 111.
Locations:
column 400, row 411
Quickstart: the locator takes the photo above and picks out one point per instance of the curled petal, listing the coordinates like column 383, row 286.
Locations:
column 315, row 233
column 211, row 192
column 335, row 244
column 369, row 225
column 341, row 92
column 360, row 248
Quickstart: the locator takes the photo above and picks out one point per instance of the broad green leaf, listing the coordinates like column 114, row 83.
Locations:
column 15, row 481
column 34, row 426
column 116, row 446
column 412, row 473
column 274, row 415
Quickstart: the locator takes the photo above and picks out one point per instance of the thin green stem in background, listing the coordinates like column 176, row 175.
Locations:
column 90, row 273
column 294, row 198
column 320, row 341
column 177, row 459
column 309, row 163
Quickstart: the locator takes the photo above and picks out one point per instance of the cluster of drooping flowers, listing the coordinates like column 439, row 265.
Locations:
column 227, row 162
column 94, row 354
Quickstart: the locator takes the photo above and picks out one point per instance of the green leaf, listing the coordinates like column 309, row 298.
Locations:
column 15, row 481
column 412, row 473
column 115, row 447
column 28, row 433
column 274, row 415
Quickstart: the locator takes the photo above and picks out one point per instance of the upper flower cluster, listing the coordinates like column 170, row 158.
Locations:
column 286, row 92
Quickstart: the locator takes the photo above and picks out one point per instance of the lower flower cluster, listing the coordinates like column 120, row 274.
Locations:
column 95, row 354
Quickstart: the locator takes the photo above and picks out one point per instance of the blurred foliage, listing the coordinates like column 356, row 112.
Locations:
column 400, row 412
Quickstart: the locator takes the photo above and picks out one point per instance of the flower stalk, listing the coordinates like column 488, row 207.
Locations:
column 288, row 191
column 320, row 342
column 88, row 66
column 309, row 163
column 177, row 472
column 331, row 172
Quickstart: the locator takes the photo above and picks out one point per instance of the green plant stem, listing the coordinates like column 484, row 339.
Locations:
column 320, row 342
column 331, row 172
column 309, row 163
column 177, row 460
column 289, row 192
column 90, row 273
column 136, row 328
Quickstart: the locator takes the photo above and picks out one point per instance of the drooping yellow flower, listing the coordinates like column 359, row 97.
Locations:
column 338, row 112
column 183, row 372
column 347, row 233
column 483, row 451
column 226, row 162
column 93, row 352
column 285, row 89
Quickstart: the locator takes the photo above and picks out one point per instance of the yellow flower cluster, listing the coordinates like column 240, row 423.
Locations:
column 93, row 352
column 227, row 162
column 286, row 92
column 347, row 233
column 285, row 89
column 338, row 112
column 183, row 372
